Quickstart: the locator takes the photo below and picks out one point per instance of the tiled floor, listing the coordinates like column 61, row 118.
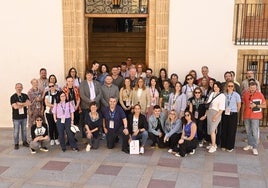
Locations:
column 113, row 168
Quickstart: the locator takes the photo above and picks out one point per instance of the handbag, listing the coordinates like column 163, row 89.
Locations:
column 208, row 104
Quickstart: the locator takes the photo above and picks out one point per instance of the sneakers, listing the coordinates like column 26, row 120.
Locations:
column 255, row 151
column 223, row 149
column 44, row 149
column 75, row 149
column 230, row 150
column 25, row 144
column 32, row 151
column 52, row 142
column 142, row 150
column 209, row 146
column 57, row 142
column 16, row 146
column 248, row 147
column 192, row 152
column 170, row 151
column 177, row 155
column 201, row 144
column 212, row 149
column 88, row 147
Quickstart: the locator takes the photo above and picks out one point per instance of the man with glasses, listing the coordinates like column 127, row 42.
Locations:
column 39, row 133
column 228, row 78
column 19, row 102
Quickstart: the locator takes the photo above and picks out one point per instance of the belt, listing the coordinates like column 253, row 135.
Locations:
column 231, row 113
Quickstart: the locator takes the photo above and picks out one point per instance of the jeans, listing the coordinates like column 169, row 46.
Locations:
column 17, row 125
column 252, row 128
column 143, row 136
column 65, row 127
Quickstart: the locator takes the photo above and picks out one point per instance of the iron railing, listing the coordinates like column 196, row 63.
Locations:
column 116, row 6
column 258, row 64
column 251, row 24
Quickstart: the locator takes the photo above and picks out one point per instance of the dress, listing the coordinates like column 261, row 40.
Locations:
column 37, row 105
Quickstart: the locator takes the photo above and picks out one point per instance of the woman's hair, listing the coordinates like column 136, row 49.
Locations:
column 175, row 88
column 176, row 115
column 156, row 80
column 137, row 84
column 137, row 105
column 58, row 97
column 107, row 68
column 218, row 84
column 163, row 69
column 124, row 85
column 198, row 89
column 184, row 122
column 72, row 69
column 52, row 75
column 38, row 116
column 188, row 75
column 226, row 85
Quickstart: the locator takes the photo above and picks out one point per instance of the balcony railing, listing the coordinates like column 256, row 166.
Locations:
column 116, row 6
column 251, row 24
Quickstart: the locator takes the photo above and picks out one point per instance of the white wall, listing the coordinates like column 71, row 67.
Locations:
column 200, row 34
column 31, row 38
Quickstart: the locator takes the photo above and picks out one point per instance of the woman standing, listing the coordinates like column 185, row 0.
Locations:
column 177, row 100
column 188, row 141
column 141, row 96
column 73, row 73
column 197, row 108
column 229, row 117
column 213, row 114
column 154, row 95
column 104, row 71
column 36, row 107
column 125, row 96
column 188, row 88
column 162, row 76
column 172, row 129
column 204, row 86
column 93, row 123
column 50, row 100
column 164, row 95
column 63, row 113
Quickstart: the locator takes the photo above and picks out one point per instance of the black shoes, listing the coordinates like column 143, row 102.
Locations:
column 25, row 144
column 75, row 149
column 16, row 147
column 126, row 150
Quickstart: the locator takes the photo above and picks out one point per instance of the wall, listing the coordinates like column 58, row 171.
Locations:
column 31, row 38
column 200, row 33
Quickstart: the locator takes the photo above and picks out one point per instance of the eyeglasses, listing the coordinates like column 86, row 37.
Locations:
column 51, row 86
column 189, row 78
column 230, row 86
column 197, row 92
column 39, row 120
column 186, row 115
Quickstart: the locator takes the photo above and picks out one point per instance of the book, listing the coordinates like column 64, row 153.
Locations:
column 257, row 102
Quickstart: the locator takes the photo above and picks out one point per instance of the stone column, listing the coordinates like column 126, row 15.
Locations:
column 74, row 35
column 157, row 30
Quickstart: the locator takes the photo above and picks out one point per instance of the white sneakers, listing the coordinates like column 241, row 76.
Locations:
column 192, row 152
column 88, row 147
column 53, row 142
column 57, row 142
column 248, row 147
column 142, row 150
column 255, row 151
column 212, row 149
column 170, row 151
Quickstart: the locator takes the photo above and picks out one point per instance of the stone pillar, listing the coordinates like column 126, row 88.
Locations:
column 74, row 35
column 158, row 35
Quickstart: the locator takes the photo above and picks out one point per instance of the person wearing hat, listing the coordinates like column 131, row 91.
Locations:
column 253, row 101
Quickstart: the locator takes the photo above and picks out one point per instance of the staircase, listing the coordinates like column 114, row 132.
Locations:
column 113, row 48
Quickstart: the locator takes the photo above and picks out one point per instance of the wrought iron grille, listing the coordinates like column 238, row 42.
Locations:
column 251, row 24
column 258, row 64
column 116, row 6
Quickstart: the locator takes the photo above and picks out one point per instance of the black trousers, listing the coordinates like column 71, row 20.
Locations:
column 187, row 146
column 173, row 141
column 112, row 136
column 53, row 131
column 157, row 140
column 229, row 127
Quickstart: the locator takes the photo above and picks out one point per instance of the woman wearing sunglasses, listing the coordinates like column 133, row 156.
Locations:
column 229, row 117
column 196, row 106
column 188, row 141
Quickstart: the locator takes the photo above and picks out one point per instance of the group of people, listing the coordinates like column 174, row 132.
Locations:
column 129, row 104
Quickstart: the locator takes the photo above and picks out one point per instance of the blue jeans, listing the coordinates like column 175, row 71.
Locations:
column 143, row 136
column 65, row 127
column 252, row 128
column 17, row 125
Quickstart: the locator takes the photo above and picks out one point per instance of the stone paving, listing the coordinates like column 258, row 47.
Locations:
column 113, row 168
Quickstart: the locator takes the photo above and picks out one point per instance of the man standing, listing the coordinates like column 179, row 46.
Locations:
column 115, row 125
column 149, row 74
column 117, row 80
column 253, row 101
column 245, row 83
column 19, row 102
column 228, row 77
column 90, row 90
column 204, row 71
column 42, row 81
column 109, row 90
